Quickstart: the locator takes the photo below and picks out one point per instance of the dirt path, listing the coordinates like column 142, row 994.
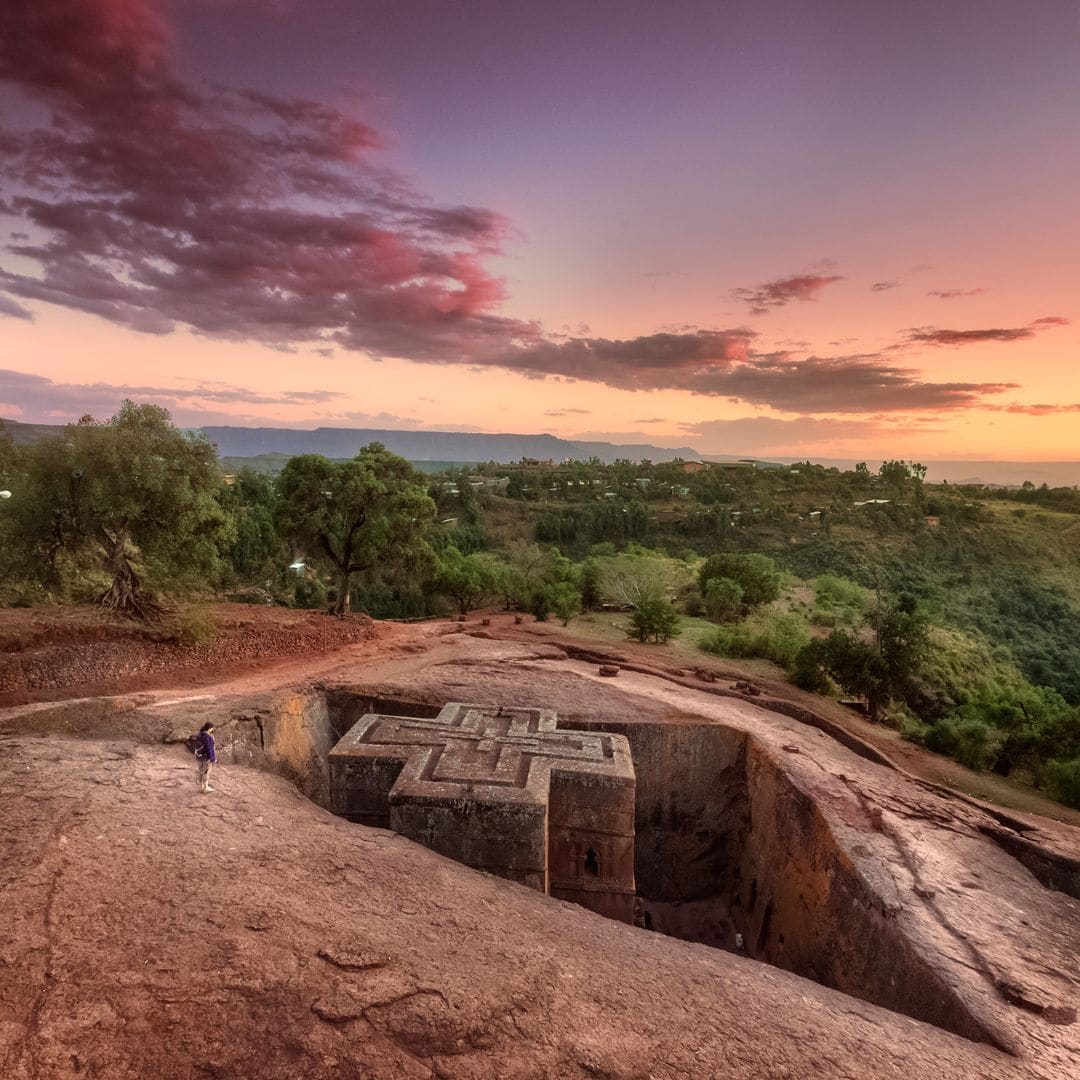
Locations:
column 313, row 655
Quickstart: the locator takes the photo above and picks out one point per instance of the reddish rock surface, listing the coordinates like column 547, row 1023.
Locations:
column 303, row 945
column 51, row 654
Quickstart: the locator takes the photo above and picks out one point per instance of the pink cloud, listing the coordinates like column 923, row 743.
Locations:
column 722, row 363
column 955, row 294
column 241, row 215
column 775, row 294
column 934, row 336
column 1034, row 410
column 772, row 435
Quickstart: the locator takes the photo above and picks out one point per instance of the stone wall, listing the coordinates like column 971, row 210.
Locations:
column 727, row 844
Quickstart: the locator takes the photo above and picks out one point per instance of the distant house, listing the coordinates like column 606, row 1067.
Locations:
column 693, row 466
column 537, row 463
column 933, row 521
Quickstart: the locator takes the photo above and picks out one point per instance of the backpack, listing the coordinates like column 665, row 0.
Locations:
column 200, row 746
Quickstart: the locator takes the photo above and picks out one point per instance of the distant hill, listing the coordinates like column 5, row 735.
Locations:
column 25, row 434
column 442, row 449
column 444, row 446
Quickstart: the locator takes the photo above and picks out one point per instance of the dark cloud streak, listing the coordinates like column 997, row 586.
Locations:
column 934, row 336
column 721, row 363
column 778, row 293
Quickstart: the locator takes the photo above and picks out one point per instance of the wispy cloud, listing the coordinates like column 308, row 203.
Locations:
column 41, row 397
column 568, row 412
column 1034, row 410
column 773, row 435
column 956, row 294
column 782, row 291
column 885, row 286
column 15, row 311
column 934, row 336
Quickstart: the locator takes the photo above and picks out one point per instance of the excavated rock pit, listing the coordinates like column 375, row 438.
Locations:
column 748, row 825
column 730, row 854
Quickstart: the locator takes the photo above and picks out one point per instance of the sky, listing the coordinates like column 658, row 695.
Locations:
column 834, row 229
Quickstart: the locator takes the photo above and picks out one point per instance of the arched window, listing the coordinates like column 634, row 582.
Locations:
column 592, row 863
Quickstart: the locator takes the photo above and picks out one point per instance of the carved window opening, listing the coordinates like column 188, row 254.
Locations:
column 592, row 863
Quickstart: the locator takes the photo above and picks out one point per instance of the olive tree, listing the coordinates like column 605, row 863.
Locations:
column 132, row 494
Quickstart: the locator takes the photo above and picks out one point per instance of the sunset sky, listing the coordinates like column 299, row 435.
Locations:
column 842, row 228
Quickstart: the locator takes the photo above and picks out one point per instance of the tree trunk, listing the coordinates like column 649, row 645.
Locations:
column 343, row 601
column 125, row 595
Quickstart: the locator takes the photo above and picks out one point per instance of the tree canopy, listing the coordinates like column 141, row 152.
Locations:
column 354, row 515
column 756, row 575
column 133, row 494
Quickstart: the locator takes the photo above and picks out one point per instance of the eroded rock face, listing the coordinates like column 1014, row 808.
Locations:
column 248, row 933
column 324, row 947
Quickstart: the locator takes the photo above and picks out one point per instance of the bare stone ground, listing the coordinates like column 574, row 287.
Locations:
column 151, row 931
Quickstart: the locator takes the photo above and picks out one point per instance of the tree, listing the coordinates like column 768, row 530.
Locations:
column 881, row 670
column 467, row 579
column 133, row 494
column 565, row 599
column 897, row 473
column 355, row 515
column 257, row 550
column 630, row 578
column 723, row 598
column 654, row 619
column 590, row 585
column 757, row 575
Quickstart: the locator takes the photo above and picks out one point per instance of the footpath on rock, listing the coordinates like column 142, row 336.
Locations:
column 154, row 931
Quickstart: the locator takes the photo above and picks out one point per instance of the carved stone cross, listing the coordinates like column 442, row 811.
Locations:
column 503, row 790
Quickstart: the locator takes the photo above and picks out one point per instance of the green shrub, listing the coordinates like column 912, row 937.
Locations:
column 1062, row 780
column 780, row 639
column 196, row 626
column 309, row 594
column 971, row 742
column 692, row 603
column 808, row 670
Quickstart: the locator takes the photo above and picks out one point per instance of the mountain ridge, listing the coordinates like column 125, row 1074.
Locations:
column 467, row 447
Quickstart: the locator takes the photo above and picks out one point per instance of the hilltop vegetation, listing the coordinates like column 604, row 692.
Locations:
column 948, row 612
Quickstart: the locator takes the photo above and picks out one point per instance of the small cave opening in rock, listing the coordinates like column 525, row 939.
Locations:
column 731, row 854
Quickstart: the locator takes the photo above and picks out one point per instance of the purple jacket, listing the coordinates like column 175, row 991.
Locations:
column 204, row 747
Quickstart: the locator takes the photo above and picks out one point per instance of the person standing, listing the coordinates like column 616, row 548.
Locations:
column 205, row 755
